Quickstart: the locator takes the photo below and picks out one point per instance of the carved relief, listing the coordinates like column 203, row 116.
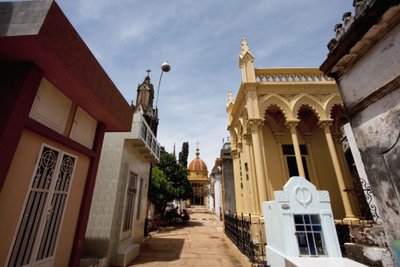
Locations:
column 307, row 137
column 253, row 125
column 279, row 137
column 321, row 97
column 247, row 138
column 302, row 195
column 323, row 196
column 234, row 154
column 288, row 97
column 326, row 126
column 292, row 125
column 282, row 196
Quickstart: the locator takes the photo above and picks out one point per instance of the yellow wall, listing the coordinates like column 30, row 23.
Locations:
column 276, row 172
column 17, row 183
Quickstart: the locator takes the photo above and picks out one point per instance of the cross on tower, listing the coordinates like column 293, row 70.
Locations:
column 148, row 72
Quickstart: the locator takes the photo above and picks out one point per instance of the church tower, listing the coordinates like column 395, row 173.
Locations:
column 144, row 98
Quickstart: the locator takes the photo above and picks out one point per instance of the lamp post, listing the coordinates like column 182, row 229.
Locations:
column 165, row 67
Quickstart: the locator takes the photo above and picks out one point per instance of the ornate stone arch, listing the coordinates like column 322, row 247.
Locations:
column 331, row 102
column 274, row 99
column 276, row 123
column 337, row 114
column 305, row 100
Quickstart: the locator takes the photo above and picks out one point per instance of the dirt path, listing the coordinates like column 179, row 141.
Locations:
column 198, row 243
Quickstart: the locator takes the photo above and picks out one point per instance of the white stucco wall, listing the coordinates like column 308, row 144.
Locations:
column 104, row 236
column 218, row 195
column 373, row 71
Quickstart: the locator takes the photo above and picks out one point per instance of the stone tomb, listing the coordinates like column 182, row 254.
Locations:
column 300, row 228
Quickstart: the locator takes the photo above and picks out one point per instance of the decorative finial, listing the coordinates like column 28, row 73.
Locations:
column 230, row 96
column 230, row 100
column 245, row 47
column 197, row 150
column 148, row 72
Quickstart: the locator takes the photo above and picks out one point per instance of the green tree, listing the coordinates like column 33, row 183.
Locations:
column 183, row 155
column 168, row 182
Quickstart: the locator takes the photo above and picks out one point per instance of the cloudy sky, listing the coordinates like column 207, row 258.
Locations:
column 201, row 40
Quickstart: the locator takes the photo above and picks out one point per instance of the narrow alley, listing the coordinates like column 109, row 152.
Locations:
column 200, row 242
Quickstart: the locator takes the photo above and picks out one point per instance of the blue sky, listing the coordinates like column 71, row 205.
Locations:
column 201, row 40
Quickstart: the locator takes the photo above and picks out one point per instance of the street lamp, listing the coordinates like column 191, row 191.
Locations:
column 165, row 67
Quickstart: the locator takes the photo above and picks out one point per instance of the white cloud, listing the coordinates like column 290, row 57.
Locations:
column 201, row 39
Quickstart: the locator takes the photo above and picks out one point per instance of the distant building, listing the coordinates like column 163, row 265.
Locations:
column 57, row 102
column 228, row 180
column 216, row 188
column 198, row 178
column 119, row 208
column 364, row 59
column 286, row 122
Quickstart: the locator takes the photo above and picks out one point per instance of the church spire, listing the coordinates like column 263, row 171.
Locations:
column 246, row 63
column 145, row 93
column 144, row 98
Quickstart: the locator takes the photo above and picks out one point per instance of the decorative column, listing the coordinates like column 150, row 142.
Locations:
column 236, row 175
column 337, row 140
column 254, row 205
column 243, row 186
column 292, row 125
column 254, row 126
column 325, row 125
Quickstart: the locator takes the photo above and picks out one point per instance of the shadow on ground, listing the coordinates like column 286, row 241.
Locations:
column 160, row 249
column 165, row 248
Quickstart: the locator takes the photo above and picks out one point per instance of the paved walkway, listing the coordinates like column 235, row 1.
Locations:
column 198, row 243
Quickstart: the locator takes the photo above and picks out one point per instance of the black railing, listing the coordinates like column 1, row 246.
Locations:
column 248, row 236
column 362, row 191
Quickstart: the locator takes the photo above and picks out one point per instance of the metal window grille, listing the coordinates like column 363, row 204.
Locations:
column 130, row 201
column 44, row 205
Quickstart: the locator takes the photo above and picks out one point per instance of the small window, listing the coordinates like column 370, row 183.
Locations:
column 130, row 201
column 288, row 152
column 309, row 235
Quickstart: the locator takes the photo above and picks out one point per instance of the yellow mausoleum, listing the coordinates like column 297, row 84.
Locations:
column 286, row 122
column 198, row 178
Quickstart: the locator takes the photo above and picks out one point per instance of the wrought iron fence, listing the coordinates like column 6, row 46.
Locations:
column 248, row 236
column 369, row 209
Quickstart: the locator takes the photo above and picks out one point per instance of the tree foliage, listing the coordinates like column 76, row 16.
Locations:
column 169, row 181
column 160, row 188
column 183, row 155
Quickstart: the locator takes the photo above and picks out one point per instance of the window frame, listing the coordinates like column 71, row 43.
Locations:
column 309, row 226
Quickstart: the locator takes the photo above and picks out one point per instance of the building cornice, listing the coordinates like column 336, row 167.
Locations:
column 48, row 39
column 365, row 32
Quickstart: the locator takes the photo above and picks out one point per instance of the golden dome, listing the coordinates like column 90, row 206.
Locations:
column 197, row 164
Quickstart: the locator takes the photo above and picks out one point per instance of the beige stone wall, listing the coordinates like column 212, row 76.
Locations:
column 17, row 183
